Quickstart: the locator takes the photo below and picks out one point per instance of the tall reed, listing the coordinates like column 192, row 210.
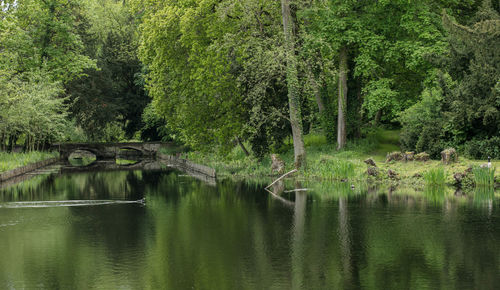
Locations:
column 484, row 176
column 333, row 169
column 435, row 176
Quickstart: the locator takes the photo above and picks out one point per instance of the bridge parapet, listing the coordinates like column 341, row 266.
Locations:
column 108, row 150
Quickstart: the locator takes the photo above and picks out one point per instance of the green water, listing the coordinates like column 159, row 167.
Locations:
column 235, row 235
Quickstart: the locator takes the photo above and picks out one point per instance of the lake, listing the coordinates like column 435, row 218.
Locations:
column 91, row 229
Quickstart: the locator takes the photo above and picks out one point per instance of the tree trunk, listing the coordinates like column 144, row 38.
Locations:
column 2, row 142
column 315, row 88
column 341, row 131
column 242, row 146
column 293, row 87
column 12, row 142
column 359, row 111
column 378, row 116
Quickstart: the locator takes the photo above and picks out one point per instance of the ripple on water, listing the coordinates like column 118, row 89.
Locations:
column 65, row 203
column 8, row 224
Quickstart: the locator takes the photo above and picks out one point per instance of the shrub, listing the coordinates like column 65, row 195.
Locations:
column 482, row 148
column 423, row 124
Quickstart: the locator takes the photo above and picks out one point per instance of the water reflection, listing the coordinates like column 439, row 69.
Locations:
column 190, row 234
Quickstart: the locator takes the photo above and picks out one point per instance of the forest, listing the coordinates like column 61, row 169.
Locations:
column 258, row 74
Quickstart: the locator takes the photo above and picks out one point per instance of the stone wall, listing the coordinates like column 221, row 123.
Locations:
column 25, row 169
column 188, row 165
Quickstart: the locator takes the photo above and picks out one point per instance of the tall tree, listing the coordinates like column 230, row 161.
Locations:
column 342, row 98
column 293, row 86
column 40, row 50
column 112, row 98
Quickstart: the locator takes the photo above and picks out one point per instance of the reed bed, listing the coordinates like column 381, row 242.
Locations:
column 435, row 177
column 484, row 176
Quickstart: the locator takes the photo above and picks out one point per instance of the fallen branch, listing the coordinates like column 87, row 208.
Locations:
column 281, row 177
column 295, row 190
column 277, row 197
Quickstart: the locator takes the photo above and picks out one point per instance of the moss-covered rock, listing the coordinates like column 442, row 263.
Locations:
column 449, row 155
column 422, row 156
column 396, row 156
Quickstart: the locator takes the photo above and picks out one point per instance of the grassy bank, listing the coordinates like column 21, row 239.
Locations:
column 325, row 163
column 9, row 161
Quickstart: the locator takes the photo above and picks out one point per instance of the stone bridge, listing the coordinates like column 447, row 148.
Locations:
column 111, row 150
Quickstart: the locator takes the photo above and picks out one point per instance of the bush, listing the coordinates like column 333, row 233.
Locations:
column 423, row 125
column 482, row 148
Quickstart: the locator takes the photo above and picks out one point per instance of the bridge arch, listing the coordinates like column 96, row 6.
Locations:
column 110, row 150
column 129, row 151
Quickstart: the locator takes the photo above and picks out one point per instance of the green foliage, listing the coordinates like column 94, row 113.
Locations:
column 41, row 50
column 474, row 106
column 47, row 34
column 435, row 177
column 31, row 107
column 423, row 124
column 154, row 126
column 389, row 44
column 484, row 176
column 113, row 95
column 189, row 72
column 461, row 108
column 483, row 148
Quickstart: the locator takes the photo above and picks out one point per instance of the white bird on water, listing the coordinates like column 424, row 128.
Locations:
column 489, row 162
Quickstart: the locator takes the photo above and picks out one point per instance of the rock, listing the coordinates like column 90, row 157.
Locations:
column 422, row 156
column 409, row 156
column 458, row 177
column 449, row 155
column 371, row 162
column 397, row 156
column 277, row 165
column 463, row 177
column 392, row 174
column 372, row 171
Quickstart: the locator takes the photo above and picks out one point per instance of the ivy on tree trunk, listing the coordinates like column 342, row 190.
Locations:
column 293, row 87
column 341, row 131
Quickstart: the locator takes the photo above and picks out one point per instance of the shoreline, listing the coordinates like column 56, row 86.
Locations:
column 7, row 175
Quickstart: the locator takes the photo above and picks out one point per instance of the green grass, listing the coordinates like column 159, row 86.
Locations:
column 384, row 141
column 435, row 176
column 9, row 161
column 484, row 176
column 328, row 168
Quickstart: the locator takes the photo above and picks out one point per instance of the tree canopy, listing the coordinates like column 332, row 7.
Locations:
column 217, row 74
